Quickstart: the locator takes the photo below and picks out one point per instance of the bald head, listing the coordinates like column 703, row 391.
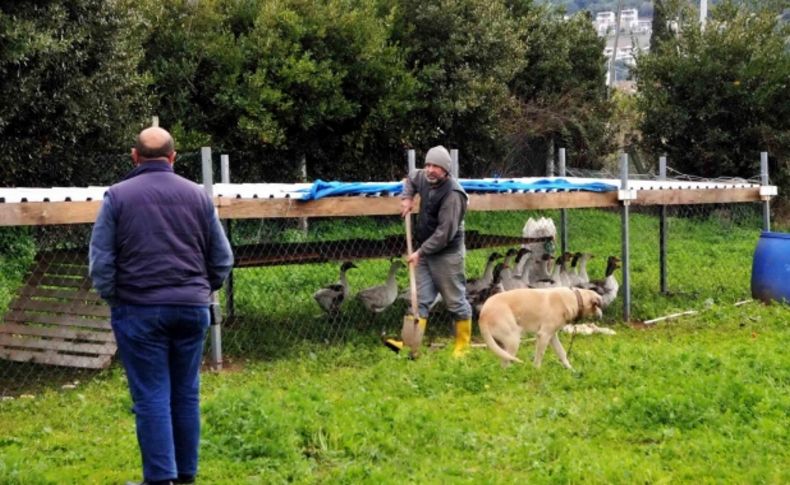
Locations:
column 153, row 143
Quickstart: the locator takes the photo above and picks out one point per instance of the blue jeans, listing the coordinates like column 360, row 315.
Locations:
column 161, row 347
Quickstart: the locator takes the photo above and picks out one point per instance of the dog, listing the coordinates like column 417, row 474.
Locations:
column 543, row 311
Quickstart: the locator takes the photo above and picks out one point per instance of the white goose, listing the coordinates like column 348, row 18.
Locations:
column 608, row 286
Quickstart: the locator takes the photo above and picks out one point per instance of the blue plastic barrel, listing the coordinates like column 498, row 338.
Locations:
column 771, row 267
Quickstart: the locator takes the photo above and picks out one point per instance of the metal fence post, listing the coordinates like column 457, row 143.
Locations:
column 230, row 307
column 563, row 212
column 662, row 229
column 454, row 162
column 624, row 239
column 764, row 181
column 411, row 157
column 215, row 331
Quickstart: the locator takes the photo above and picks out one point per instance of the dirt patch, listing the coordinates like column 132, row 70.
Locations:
column 229, row 365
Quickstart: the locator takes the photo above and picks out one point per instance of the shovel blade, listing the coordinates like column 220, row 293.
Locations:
column 409, row 330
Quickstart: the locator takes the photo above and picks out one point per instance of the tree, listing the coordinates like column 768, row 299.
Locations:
column 712, row 100
column 463, row 53
column 660, row 25
column 69, row 88
column 274, row 82
column 560, row 89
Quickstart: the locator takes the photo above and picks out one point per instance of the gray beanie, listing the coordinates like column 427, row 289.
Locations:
column 439, row 156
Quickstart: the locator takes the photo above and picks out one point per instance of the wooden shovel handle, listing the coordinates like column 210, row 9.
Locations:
column 412, row 276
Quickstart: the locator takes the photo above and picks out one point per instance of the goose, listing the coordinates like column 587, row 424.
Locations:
column 493, row 288
column 378, row 298
column 522, row 258
column 478, row 284
column 581, row 273
column 573, row 271
column 527, row 268
column 540, row 277
column 509, row 256
column 563, row 275
column 539, row 269
column 507, row 280
column 608, row 286
column 330, row 297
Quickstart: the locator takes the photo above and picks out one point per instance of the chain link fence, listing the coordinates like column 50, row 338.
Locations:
column 290, row 285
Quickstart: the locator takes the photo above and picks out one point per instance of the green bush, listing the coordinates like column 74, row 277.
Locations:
column 70, row 89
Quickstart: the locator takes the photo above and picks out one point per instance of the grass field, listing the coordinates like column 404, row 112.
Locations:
column 705, row 398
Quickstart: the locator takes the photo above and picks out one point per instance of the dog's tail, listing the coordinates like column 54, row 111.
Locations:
column 493, row 345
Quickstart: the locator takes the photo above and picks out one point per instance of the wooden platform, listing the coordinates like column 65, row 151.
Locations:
column 56, row 318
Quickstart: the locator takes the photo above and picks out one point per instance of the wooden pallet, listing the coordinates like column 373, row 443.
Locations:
column 56, row 318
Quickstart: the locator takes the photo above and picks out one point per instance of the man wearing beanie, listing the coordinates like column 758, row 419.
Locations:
column 439, row 233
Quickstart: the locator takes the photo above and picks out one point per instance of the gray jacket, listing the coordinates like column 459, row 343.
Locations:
column 450, row 215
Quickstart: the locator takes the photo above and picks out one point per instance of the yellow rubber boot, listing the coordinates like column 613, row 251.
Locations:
column 463, row 337
column 393, row 344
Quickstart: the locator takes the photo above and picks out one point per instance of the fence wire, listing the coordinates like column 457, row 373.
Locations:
column 290, row 285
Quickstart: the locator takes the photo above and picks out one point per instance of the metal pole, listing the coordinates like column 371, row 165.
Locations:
column 563, row 212
column 612, row 70
column 703, row 14
column 454, row 162
column 764, row 181
column 662, row 229
column 411, row 156
column 302, row 222
column 230, row 307
column 215, row 335
column 224, row 168
column 625, row 239
column 550, row 159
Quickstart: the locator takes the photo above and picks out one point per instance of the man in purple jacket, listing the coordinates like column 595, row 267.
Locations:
column 157, row 251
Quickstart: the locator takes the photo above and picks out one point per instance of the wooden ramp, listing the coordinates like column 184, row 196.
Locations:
column 56, row 318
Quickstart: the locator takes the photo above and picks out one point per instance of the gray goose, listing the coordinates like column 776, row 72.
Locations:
column 330, row 297
column 378, row 298
column 540, row 277
column 493, row 288
column 581, row 273
column 523, row 257
column 478, row 284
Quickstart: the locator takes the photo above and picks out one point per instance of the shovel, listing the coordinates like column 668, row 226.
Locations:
column 411, row 333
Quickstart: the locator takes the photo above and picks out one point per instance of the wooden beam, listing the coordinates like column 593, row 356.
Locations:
column 53, row 358
column 64, row 333
column 50, row 213
column 696, row 196
column 546, row 200
column 328, row 207
column 32, row 343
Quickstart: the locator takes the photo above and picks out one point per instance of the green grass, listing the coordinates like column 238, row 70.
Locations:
column 705, row 398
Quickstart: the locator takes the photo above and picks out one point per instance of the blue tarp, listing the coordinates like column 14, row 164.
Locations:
column 321, row 189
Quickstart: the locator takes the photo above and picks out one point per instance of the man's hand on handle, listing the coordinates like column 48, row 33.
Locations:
column 406, row 206
column 414, row 258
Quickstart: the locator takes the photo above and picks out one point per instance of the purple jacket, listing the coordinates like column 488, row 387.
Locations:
column 157, row 241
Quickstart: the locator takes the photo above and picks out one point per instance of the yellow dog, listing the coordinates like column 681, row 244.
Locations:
column 506, row 316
